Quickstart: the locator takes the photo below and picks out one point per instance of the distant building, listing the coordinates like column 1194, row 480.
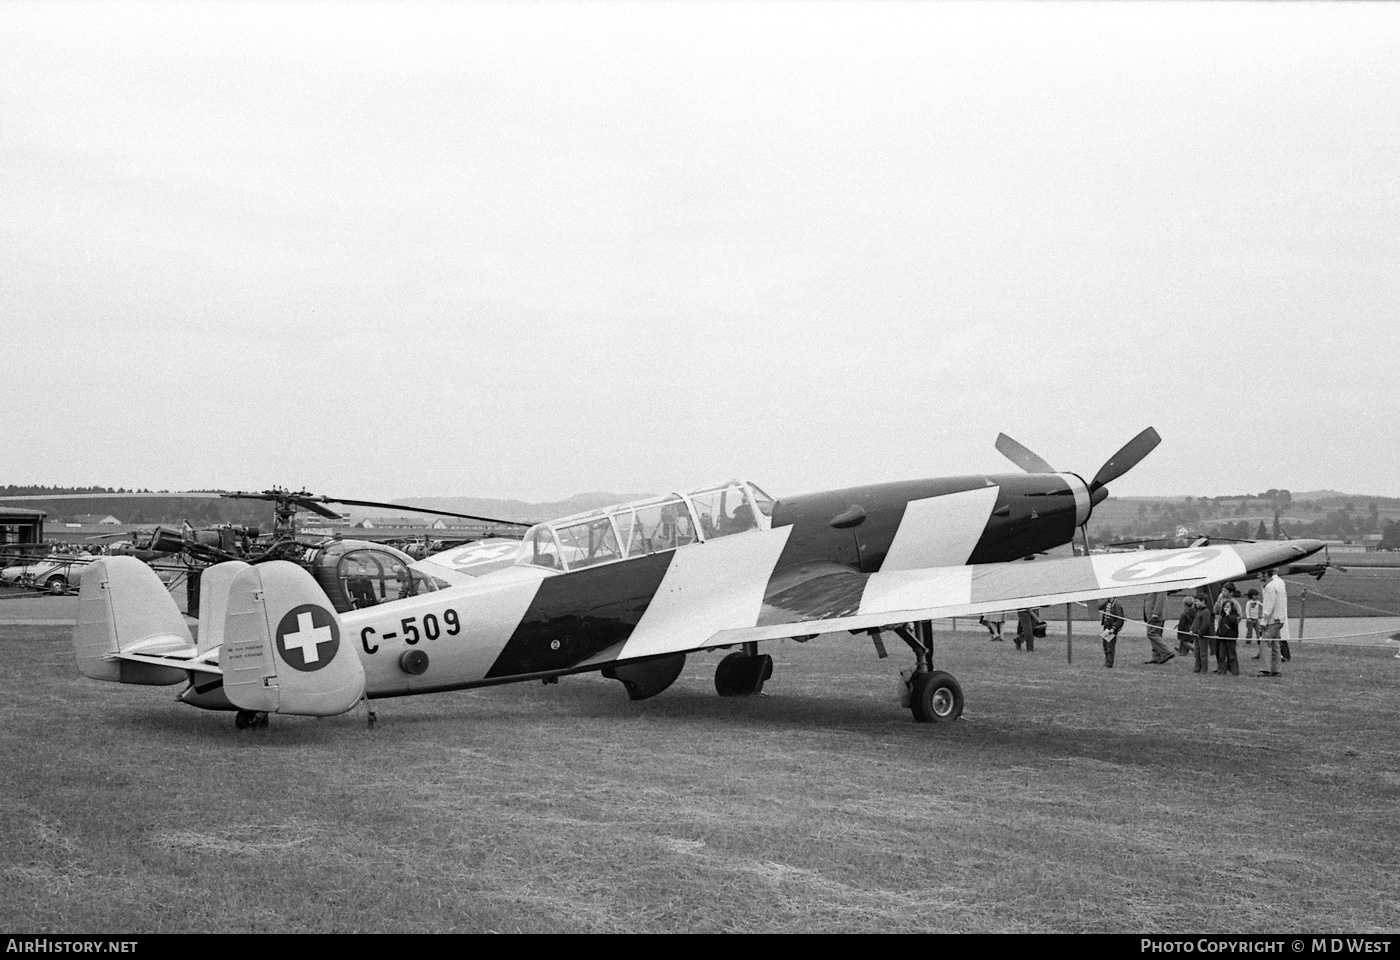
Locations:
column 393, row 523
column 304, row 520
column 461, row 525
column 96, row 519
column 21, row 526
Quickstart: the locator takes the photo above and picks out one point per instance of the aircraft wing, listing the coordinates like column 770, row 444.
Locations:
column 822, row 598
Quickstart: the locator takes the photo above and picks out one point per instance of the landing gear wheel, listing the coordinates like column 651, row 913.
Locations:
column 245, row 719
column 741, row 675
column 57, row 585
column 935, row 697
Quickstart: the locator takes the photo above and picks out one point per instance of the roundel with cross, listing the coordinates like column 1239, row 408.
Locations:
column 1165, row 566
column 307, row 637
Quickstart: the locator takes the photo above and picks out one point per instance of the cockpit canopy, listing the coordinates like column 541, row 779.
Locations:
column 646, row 526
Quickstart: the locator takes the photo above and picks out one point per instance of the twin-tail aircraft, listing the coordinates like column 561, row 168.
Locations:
column 631, row 591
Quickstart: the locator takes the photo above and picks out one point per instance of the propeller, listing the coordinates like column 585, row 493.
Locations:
column 1128, row 456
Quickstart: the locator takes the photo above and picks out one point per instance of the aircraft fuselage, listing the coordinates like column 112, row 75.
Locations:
column 526, row 622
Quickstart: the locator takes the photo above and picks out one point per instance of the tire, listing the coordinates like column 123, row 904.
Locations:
column 56, row 585
column 935, row 697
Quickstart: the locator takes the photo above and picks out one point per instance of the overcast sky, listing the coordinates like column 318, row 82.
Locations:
column 532, row 249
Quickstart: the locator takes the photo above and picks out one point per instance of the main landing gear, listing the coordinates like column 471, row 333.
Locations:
column 246, row 719
column 742, row 674
column 934, row 695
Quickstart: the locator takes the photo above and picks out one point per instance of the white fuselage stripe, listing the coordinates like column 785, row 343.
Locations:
column 940, row 531
column 710, row 586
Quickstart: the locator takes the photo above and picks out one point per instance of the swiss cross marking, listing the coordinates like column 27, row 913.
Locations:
column 485, row 554
column 307, row 637
column 1159, row 567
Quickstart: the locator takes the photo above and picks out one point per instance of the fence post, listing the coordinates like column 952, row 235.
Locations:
column 1069, row 633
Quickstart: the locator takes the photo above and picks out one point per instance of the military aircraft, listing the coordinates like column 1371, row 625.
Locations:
column 632, row 590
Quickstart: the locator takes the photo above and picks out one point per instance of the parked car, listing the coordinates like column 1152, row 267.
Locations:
column 53, row 574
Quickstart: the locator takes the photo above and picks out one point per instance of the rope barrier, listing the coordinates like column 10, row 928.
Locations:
column 1391, row 634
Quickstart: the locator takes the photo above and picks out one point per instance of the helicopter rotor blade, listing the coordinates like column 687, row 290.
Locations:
column 116, row 496
column 439, row 513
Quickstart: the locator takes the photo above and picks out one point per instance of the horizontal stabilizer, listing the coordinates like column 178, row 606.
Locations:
column 127, row 623
column 284, row 649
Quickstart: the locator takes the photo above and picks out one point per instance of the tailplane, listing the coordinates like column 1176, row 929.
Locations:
column 284, row 649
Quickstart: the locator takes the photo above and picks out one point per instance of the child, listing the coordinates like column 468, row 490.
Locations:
column 1253, row 610
column 1203, row 627
column 993, row 621
column 1227, row 629
column 1112, row 623
column 1184, row 639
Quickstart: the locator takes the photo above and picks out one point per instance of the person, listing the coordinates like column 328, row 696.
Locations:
column 993, row 622
column 1252, row 609
column 1203, row 598
column 1154, row 614
column 740, row 520
column 1274, row 617
column 1112, row 622
column 1202, row 628
column 1227, row 631
column 1027, row 623
column 1185, row 641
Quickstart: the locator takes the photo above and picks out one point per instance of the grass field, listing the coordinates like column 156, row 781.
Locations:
column 1071, row 798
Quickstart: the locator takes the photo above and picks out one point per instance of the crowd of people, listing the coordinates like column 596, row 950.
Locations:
column 1207, row 628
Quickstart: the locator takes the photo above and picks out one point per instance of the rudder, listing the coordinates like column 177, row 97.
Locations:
column 284, row 649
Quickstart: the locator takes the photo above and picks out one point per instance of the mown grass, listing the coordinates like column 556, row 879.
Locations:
column 1072, row 798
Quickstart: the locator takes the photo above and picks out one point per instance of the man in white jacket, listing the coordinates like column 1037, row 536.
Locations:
column 1274, row 619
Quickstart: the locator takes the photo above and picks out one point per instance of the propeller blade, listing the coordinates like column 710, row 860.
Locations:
column 1125, row 459
column 1023, row 457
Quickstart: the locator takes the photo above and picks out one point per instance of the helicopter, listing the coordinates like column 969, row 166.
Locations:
column 354, row 572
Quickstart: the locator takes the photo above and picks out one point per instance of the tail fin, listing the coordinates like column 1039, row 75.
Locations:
column 284, row 650
column 214, row 583
column 124, row 608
